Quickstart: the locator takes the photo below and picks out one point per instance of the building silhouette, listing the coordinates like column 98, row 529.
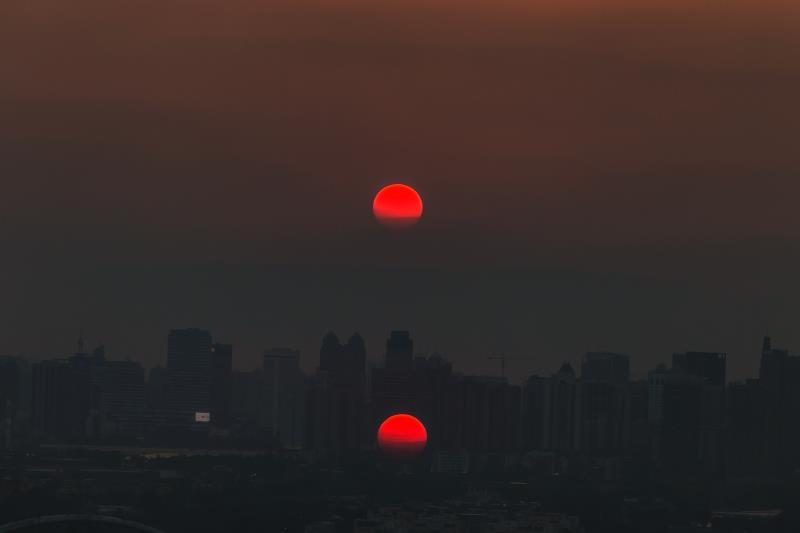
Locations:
column 483, row 413
column 393, row 386
column 749, row 446
column 248, row 400
column 684, row 411
column 399, row 351
column 779, row 380
column 551, row 411
column 9, row 399
column 123, row 403
column 156, row 390
column 433, row 380
column 604, row 417
column 284, row 396
column 710, row 366
column 188, row 397
column 681, row 421
column 606, row 367
column 61, row 401
column 221, row 383
column 336, row 409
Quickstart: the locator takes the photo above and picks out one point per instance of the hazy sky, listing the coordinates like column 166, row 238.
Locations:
column 596, row 174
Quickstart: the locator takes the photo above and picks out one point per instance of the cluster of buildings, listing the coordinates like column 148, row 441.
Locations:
column 682, row 418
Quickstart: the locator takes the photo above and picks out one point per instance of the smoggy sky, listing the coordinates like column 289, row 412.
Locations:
column 615, row 174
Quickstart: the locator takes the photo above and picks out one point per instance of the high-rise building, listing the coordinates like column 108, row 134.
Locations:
column 433, row 378
column 221, row 369
column 335, row 400
column 188, row 380
column 779, row 379
column 122, row 399
column 91, row 365
column 675, row 412
column 62, row 400
column 156, row 390
column 485, row 415
column 284, row 396
column 551, row 409
column 604, row 421
column 606, row 367
column 749, row 451
column 393, row 385
column 399, row 351
column 535, row 413
column 709, row 366
column 9, row 399
column 247, row 406
column 639, row 440
column 604, row 402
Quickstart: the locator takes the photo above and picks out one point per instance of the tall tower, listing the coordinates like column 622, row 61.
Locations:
column 399, row 351
column 189, row 378
column 336, row 400
column 606, row 367
column 9, row 398
column 283, row 387
column 709, row 366
column 221, row 380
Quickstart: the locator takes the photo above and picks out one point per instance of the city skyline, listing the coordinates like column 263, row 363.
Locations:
column 510, row 368
column 589, row 423
column 679, row 413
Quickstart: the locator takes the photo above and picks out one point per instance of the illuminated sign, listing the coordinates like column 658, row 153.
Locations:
column 202, row 417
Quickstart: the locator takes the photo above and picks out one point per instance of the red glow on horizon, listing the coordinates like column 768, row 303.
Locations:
column 397, row 205
column 402, row 434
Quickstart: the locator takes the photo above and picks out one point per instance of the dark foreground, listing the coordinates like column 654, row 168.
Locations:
column 176, row 491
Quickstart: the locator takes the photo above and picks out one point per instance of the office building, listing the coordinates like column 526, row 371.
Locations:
column 188, row 397
column 336, row 415
column 551, row 409
column 221, row 383
column 9, row 399
column 605, row 367
column 399, row 351
column 284, row 396
column 122, row 400
column 709, row 366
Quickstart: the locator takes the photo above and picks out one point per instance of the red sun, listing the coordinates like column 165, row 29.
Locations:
column 397, row 206
column 402, row 435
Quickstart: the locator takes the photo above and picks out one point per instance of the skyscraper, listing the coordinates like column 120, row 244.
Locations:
column 122, row 399
column 62, row 398
column 336, row 397
column 156, row 389
column 709, row 366
column 399, row 351
column 283, row 395
column 606, row 367
column 247, row 405
column 551, row 409
column 221, row 380
column 486, row 412
column 393, row 385
column 779, row 377
column 604, row 421
column 188, row 379
column 9, row 399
